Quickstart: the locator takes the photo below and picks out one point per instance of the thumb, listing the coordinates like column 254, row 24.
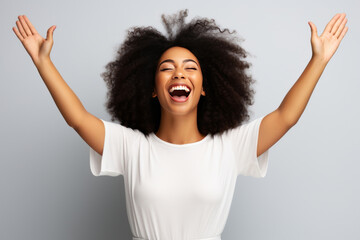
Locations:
column 313, row 29
column 49, row 35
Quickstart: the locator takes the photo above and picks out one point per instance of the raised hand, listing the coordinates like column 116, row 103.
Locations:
column 325, row 45
column 37, row 47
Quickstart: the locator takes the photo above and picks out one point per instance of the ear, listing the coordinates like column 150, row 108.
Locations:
column 154, row 94
column 203, row 92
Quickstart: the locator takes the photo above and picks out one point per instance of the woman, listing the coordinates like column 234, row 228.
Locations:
column 180, row 101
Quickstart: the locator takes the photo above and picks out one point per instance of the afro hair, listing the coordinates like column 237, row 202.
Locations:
column 130, row 78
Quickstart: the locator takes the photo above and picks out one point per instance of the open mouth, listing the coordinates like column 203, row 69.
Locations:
column 179, row 93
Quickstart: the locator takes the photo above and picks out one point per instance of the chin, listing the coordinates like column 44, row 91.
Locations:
column 180, row 110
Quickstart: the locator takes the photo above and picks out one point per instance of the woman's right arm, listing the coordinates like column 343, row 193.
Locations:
column 89, row 127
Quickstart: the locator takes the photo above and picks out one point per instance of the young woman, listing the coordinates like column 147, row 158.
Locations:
column 181, row 101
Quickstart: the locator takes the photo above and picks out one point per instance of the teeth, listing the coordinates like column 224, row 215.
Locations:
column 179, row 88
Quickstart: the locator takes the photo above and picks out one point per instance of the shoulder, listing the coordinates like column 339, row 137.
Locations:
column 244, row 129
column 114, row 128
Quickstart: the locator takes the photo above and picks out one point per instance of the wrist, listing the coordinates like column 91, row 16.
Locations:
column 319, row 60
column 42, row 61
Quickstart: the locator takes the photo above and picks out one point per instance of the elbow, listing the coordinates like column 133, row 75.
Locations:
column 73, row 124
column 290, row 122
column 288, row 119
column 76, row 120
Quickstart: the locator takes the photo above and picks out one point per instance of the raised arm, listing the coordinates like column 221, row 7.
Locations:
column 277, row 123
column 89, row 127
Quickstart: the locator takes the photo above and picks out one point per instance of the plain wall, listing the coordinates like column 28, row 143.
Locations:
column 311, row 190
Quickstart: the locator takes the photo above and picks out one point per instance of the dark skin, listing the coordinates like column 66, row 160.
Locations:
column 178, row 123
column 178, row 120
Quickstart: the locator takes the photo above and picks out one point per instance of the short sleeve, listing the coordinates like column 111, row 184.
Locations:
column 112, row 161
column 244, row 140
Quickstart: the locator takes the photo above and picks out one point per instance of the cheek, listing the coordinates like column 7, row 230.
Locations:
column 199, row 82
column 159, row 87
column 157, row 83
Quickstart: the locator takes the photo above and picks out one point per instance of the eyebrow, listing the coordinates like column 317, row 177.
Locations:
column 172, row 61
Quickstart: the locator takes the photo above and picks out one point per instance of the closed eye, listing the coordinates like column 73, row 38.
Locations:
column 171, row 69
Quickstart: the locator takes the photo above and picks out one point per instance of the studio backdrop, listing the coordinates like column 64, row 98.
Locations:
column 311, row 190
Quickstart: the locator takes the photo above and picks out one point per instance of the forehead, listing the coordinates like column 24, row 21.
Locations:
column 177, row 54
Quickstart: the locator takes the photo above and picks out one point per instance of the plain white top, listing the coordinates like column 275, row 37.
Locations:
column 179, row 191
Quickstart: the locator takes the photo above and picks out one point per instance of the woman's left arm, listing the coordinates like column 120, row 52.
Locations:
column 277, row 123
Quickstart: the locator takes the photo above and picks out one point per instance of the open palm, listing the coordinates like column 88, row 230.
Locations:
column 37, row 47
column 325, row 45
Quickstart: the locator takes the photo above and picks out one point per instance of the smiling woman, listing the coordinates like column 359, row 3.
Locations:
column 178, row 86
column 181, row 101
column 194, row 55
column 178, row 91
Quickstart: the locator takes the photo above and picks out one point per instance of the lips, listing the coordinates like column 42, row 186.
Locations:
column 179, row 99
column 179, row 84
column 176, row 96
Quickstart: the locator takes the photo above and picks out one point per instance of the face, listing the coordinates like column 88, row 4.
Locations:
column 178, row 81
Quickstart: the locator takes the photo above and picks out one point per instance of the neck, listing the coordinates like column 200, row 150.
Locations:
column 178, row 129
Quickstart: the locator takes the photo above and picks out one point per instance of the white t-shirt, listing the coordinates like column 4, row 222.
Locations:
column 179, row 191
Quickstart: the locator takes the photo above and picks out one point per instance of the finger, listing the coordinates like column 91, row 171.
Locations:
column 313, row 29
column 49, row 35
column 25, row 26
column 331, row 23
column 343, row 33
column 18, row 34
column 341, row 28
column 21, row 29
column 337, row 24
column 32, row 28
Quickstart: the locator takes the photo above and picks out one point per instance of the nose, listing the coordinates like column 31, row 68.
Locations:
column 178, row 74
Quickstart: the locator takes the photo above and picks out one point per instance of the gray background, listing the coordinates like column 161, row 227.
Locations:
column 47, row 191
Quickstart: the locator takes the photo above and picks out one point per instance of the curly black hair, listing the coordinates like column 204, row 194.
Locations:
column 130, row 78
